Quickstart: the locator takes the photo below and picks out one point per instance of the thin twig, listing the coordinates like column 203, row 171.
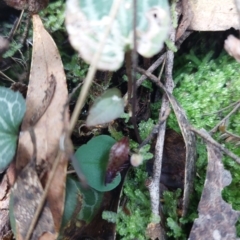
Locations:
column 93, row 68
column 155, row 130
column 203, row 134
column 232, row 135
column 222, row 109
column 225, row 118
column 153, row 67
column 15, row 27
column 8, row 78
column 129, row 74
column 159, row 61
column 154, row 187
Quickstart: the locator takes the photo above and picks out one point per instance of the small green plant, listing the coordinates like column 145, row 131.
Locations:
column 92, row 158
column 88, row 199
column 133, row 224
column 170, row 209
column 53, row 16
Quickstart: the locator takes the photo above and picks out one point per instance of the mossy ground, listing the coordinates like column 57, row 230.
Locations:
column 205, row 85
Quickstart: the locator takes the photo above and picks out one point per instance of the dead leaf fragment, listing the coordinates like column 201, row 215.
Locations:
column 216, row 218
column 26, row 195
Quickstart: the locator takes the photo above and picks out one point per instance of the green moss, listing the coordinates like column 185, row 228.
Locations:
column 134, row 224
column 146, row 127
column 53, row 16
column 204, row 87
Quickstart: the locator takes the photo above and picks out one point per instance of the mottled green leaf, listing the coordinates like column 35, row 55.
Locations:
column 86, row 22
column 12, row 109
column 80, row 203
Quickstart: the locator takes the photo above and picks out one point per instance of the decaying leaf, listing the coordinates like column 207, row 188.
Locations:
column 216, row 218
column 25, row 198
column 232, row 46
column 118, row 158
column 86, row 22
column 46, row 65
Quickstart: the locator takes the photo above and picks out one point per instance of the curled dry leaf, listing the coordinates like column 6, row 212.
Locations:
column 216, row 218
column 232, row 46
column 46, row 62
column 118, row 159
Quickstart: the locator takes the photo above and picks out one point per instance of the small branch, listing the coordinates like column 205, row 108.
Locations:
column 222, row 109
column 129, row 73
column 232, row 135
column 134, row 71
column 155, row 129
column 8, row 78
column 154, row 186
column 225, row 118
column 15, row 26
column 159, row 61
column 203, row 134
column 153, row 67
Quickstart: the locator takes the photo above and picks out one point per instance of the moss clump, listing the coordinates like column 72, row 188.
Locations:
column 134, row 217
column 204, row 87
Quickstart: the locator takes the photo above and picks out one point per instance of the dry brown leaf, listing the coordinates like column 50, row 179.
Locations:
column 214, row 15
column 46, row 62
column 26, row 196
column 216, row 218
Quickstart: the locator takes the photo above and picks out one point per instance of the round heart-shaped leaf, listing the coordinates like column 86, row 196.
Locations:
column 92, row 159
column 12, row 109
